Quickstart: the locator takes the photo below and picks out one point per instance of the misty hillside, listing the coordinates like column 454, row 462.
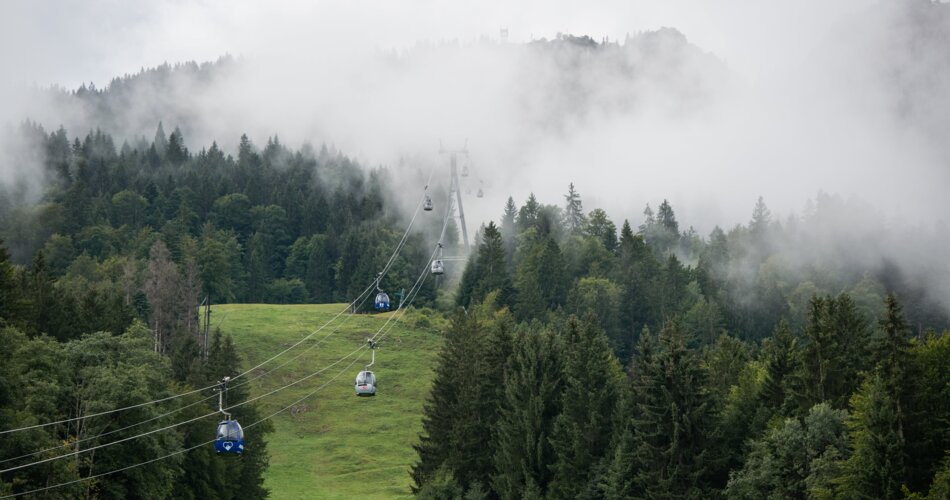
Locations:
column 567, row 78
column 702, row 258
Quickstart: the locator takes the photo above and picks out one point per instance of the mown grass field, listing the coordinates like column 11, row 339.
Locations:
column 337, row 446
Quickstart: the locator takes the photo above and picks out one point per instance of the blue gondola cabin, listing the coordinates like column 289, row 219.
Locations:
column 230, row 438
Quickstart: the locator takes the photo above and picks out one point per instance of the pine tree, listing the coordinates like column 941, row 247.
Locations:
column 508, row 218
column 876, row 466
column 583, row 431
column 524, row 455
column 649, row 220
column 509, row 231
column 456, row 422
column 176, row 152
column 779, row 357
column 8, row 287
column 491, row 265
column 528, row 213
column 160, row 142
column 672, row 418
column 574, row 217
column 761, row 219
column 626, row 234
column 600, row 227
column 890, row 350
column 666, row 218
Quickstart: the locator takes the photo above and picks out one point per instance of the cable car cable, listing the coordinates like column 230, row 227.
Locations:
column 189, row 405
column 176, row 396
column 413, row 293
column 388, row 320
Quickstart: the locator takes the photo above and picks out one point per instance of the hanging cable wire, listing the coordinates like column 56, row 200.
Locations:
column 413, row 291
column 382, row 332
column 195, row 403
column 386, row 268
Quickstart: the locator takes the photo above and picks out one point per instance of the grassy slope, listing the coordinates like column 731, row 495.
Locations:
column 340, row 446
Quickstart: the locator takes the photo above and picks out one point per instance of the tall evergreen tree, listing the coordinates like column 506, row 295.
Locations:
column 779, row 357
column 876, row 466
column 524, row 456
column 574, row 212
column 583, row 431
column 455, row 422
column 672, row 420
column 600, row 227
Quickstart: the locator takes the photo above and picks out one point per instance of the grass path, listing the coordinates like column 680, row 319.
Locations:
column 337, row 446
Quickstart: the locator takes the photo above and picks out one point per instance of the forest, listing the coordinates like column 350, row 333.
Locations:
column 587, row 357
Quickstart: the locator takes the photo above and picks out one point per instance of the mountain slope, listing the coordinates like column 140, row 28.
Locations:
column 336, row 445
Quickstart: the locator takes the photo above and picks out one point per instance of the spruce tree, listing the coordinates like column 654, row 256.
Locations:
column 582, row 432
column 779, row 357
column 672, row 419
column 574, row 217
column 524, row 456
column 603, row 229
column 528, row 213
column 876, row 466
column 456, row 422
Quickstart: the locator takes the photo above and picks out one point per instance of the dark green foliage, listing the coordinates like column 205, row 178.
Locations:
column 464, row 404
column 876, row 468
column 797, row 459
column 488, row 272
column 584, row 429
column 601, row 299
column 672, row 420
column 833, row 352
column 779, row 357
column 926, row 396
column 541, row 282
column 602, row 229
column 524, row 456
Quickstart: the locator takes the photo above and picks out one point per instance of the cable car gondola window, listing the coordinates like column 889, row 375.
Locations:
column 230, row 429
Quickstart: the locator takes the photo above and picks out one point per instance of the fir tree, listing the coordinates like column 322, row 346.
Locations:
column 574, row 212
column 583, row 431
column 876, row 466
column 779, row 357
column 456, row 422
column 524, row 455
column 672, row 419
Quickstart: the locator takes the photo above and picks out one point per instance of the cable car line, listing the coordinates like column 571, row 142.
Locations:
column 412, row 293
column 379, row 334
column 178, row 424
column 388, row 320
column 382, row 332
column 187, row 393
column 189, row 405
column 386, row 268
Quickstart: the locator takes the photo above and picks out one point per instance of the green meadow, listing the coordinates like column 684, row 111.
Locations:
column 335, row 445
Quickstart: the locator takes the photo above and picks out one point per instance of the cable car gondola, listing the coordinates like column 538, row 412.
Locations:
column 465, row 170
column 438, row 267
column 427, row 204
column 365, row 383
column 230, row 435
column 480, row 193
column 381, row 304
column 365, row 380
column 230, row 438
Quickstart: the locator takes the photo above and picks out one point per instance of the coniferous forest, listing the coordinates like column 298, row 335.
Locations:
column 583, row 354
column 584, row 360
